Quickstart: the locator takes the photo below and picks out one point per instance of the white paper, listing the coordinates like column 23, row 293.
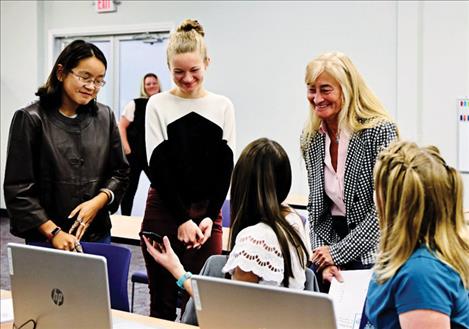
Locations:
column 6, row 308
column 349, row 297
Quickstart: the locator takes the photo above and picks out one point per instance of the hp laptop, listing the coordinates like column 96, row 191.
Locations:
column 229, row 304
column 54, row 289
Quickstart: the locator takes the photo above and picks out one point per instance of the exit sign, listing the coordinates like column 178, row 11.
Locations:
column 105, row 6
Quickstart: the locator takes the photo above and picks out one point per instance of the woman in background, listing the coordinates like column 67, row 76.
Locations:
column 421, row 276
column 347, row 128
column 132, row 130
column 65, row 168
column 190, row 139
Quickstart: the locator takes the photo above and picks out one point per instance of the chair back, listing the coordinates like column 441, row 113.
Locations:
column 226, row 213
column 118, row 264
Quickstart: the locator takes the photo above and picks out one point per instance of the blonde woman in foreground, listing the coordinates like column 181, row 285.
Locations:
column 421, row 274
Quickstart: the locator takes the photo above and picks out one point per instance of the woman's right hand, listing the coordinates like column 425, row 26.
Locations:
column 64, row 241
column 331, row 272
column 190, row 234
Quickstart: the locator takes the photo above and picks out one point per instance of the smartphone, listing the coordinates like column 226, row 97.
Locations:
column 152, row 236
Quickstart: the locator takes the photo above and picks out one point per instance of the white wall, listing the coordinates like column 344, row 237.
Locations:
column 407, row 51
column 19, row 65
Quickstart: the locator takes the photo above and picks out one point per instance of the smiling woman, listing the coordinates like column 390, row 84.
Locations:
column 65, row 166
column 346, row 130
column 190, row 138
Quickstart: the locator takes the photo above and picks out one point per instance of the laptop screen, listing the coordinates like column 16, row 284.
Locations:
column 58, row 289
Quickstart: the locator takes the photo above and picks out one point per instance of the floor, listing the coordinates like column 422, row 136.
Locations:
column 142, row 298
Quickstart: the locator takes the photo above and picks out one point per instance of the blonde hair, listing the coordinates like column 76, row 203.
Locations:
column 361, row 109
column 143, row 92
column 188, row 38
column 419, row 201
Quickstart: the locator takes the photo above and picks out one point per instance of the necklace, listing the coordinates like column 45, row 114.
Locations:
column 336, row 136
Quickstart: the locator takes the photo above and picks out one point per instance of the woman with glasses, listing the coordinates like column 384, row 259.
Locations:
column 65, row 168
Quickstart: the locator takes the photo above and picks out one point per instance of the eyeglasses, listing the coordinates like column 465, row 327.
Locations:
column 88, row 81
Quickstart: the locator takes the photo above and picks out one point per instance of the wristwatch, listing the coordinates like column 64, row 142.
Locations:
column 54, row 232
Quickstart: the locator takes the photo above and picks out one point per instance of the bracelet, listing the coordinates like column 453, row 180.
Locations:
column 54, row 232
column 183, row 279
column 107, row 192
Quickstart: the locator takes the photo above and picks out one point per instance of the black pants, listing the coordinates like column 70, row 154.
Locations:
column 339, row 224
column 136, row 168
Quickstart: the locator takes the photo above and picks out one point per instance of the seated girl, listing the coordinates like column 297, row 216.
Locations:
column 421, row 277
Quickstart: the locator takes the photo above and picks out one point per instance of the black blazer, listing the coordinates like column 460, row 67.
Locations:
column 54, row 163
column 362, row 241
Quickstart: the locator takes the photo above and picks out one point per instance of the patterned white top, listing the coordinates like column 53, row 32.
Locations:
column 257, row 250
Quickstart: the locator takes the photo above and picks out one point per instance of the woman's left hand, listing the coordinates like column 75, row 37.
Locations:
column 85, row 213
column 322, row 257
column 164, row 255
column 206, row 227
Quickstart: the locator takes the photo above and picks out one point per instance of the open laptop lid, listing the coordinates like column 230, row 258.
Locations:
column 58, row 289
column 229, row 304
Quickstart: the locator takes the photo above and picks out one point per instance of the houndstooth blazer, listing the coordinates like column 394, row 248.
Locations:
column 362, row 241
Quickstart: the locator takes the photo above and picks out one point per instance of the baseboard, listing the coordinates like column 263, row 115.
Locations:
column 3, row 212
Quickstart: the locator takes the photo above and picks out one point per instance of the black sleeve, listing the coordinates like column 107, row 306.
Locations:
column 162, row 171
column 20, row 185
column 221, row 180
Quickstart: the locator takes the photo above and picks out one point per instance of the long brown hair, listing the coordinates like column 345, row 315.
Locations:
column 261, row 182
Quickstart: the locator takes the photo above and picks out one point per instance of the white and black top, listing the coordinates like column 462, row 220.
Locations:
column 190, row 147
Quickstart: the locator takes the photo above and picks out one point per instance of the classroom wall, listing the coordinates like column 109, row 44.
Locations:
column 414, row 55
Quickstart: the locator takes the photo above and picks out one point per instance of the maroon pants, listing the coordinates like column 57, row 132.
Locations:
column 162, row 285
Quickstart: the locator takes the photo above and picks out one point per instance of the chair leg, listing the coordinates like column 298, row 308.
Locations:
column 132, row 298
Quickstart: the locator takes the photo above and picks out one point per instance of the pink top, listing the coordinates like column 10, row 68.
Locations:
column 334, row 181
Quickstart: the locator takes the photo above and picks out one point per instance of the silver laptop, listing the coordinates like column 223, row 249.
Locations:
column 60, row 289
column 229, row 304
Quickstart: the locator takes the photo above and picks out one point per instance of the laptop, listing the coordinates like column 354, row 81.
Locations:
column 58, row 289
column 229, row 304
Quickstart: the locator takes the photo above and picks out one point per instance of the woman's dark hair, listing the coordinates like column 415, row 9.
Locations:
column 260, row 183
column 50, row 94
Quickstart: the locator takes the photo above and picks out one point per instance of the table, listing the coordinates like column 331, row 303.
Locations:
column 137, row 318
column 297, row 201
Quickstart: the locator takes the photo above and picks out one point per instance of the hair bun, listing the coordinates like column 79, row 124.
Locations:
column 189, row 25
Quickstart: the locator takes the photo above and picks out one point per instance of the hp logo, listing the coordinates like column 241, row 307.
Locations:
column 57, row 296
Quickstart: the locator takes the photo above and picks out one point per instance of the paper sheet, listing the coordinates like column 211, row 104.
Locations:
column 6, row 308
column 349, row 297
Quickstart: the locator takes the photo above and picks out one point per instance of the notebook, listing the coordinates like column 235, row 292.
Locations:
column 229, row 304
column 60, row 289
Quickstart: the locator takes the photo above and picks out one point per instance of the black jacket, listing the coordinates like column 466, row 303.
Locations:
column 54, row 163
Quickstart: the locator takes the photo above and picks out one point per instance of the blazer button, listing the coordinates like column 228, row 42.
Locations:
column 352, row 226
column 355, row 198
